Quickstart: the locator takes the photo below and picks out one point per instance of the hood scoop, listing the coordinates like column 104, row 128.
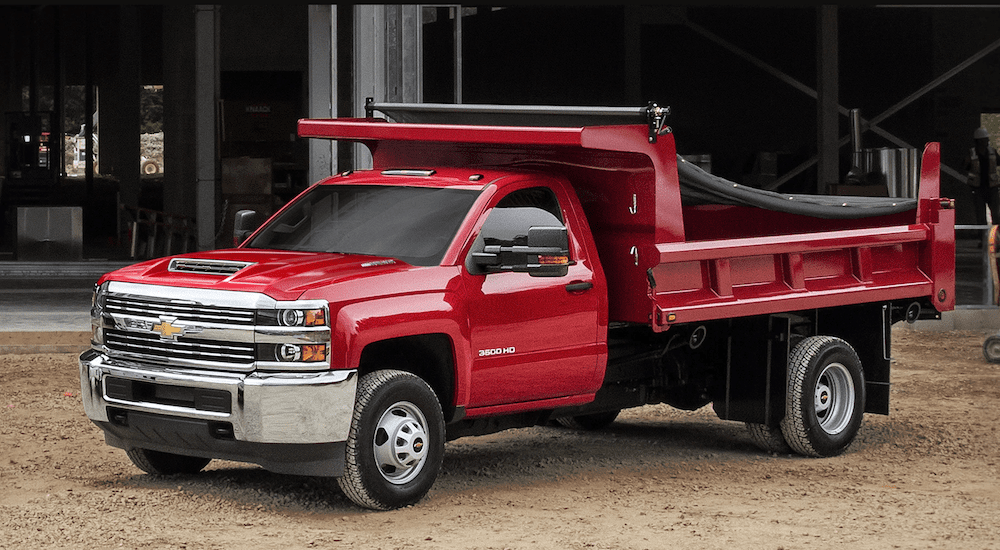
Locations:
column 222, row 268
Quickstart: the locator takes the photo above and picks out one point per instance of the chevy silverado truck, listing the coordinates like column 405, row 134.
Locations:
column 486, row 276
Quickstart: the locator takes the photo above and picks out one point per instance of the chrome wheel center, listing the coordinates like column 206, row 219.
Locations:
column 834, row 398
column 400, row 443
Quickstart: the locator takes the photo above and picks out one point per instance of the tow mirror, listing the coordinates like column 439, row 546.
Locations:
column 247, row 221
column 543, row 252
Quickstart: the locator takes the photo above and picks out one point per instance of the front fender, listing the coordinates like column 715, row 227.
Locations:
column 357, row 325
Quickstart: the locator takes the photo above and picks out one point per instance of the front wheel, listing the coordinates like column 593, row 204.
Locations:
column 160, row 463
column 825, row 398
column 396, row 442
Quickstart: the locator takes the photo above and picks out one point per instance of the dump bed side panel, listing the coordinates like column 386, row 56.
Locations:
column 741, row 276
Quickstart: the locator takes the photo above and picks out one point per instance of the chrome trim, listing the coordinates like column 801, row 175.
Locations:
column 286, row 407
column 194, row 296
column 210, row 329
column 277, row 366
column 292, row 335
column 193, row 329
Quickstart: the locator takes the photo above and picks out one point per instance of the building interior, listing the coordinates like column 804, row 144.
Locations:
column 137, row 131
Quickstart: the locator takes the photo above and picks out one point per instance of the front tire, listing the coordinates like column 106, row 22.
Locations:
column 396, row 442
column 160, row 463
column 825, row 399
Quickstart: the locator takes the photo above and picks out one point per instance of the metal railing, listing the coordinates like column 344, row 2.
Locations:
column 155, row 234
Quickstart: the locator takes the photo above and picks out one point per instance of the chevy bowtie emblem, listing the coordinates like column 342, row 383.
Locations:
column 166, row 330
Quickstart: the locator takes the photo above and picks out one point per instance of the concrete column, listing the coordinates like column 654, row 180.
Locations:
column 206, row 97
column 179, row 176
column 322, row 88
column 412, row 55
column 119, row 119
column 387, row 59
column 369, row 66
column 827, row 100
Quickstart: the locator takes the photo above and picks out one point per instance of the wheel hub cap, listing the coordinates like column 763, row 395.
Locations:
column 400, row 443
column 834, row 398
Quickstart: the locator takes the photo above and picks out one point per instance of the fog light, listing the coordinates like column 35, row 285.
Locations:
column 288, row 352
column 309, row 353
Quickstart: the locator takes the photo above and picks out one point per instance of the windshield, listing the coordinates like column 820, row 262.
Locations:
column 411, row 224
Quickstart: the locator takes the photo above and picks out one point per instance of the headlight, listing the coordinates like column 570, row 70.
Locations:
column 294, row 332
column 293, row 317
column 97, row 302
column 302, row 317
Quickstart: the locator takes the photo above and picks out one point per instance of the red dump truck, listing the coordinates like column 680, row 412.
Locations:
column 500, row 268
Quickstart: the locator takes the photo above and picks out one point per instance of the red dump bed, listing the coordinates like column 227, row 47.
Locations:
column 667, row 262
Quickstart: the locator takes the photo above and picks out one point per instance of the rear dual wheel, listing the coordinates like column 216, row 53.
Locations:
column 825, row 398
column 768, row 439
column 824, row 401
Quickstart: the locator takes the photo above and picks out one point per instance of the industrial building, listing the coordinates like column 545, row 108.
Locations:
column 135, row 131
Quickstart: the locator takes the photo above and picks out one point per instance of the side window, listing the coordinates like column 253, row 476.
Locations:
column 523, row 233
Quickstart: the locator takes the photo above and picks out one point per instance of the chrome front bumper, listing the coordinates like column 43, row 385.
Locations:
column 284, row 408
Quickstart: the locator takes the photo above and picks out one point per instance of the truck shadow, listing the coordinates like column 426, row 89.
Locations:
column 517, row 457
column 508, row 459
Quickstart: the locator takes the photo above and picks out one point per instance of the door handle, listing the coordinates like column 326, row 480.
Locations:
column 579, row 287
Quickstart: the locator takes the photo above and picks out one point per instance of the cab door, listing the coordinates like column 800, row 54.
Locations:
column 534, row 333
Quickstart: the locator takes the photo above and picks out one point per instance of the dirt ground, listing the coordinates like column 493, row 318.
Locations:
column 924, row 477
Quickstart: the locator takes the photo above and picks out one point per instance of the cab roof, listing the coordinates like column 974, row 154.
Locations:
column 471, row 178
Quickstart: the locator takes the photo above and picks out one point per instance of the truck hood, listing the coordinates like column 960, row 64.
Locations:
column 279, row 274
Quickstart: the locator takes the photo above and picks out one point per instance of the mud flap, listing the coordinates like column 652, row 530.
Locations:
column 757, row 360
column 868, row 328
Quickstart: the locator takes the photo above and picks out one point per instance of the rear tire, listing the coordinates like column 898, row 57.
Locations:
column 396, row 442
column 768, row 439
column 825, row 399
column 160, row 463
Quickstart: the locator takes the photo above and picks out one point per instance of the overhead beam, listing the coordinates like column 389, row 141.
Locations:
column 870, row 125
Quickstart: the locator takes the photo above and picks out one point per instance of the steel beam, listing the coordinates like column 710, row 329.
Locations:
column 872, row 125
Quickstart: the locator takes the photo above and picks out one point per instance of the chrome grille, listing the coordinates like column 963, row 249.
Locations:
column 189, row 349
column 199, row 328
column 143, row 307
